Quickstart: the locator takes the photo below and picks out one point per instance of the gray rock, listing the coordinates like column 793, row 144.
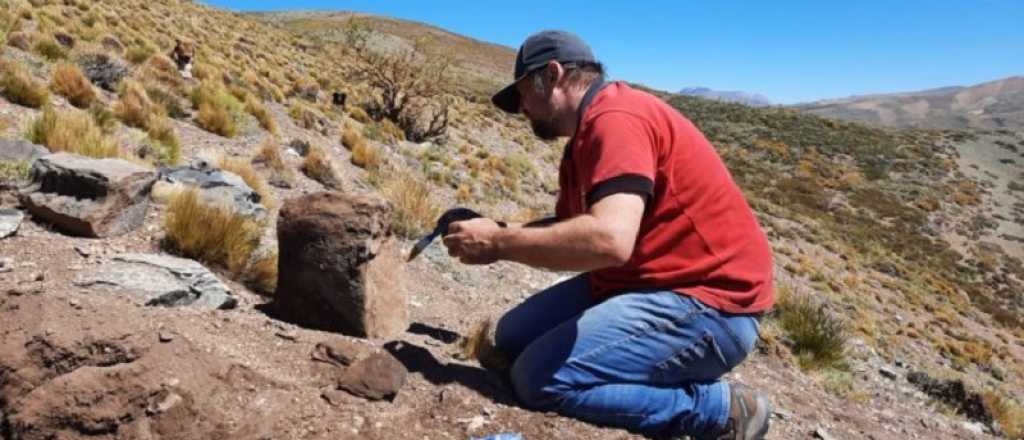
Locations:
column 215, row 185
column 88, row 197
column 888, row 373
column 103, row 70
column 976, row 428
column 20, row 151
column 162, row 280
column 10, row 220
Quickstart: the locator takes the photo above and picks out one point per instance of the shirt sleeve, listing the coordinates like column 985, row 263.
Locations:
column 619, row 156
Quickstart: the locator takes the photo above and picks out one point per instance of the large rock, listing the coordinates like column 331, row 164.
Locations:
column 162, row 280
column 215, row 186
column 88, row 197
column 10, row 220
column 20, row 151
column 378, row 377
column 337, row 268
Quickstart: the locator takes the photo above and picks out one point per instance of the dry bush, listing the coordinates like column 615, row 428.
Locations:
column 159, row 69
column 69, row 82
column 133, row 106
column 360, row 115
column 72, row 131
column 259, row 111
column 411, row 84
column 19, row 87
column 167, row 100
column 212, row 234
column 243, row 168
column 415, row 210
column 319, row 166
column 481, row 345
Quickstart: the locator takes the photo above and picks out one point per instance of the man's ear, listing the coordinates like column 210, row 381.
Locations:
column 553, row 73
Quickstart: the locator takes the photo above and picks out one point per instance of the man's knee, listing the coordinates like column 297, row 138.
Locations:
column 535, row 388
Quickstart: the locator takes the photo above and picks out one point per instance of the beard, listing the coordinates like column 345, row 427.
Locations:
column 544, row 129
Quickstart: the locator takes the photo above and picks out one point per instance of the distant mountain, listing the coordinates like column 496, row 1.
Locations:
column 751, row 99
column 991, row 105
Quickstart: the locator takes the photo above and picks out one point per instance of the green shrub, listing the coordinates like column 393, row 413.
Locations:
column 818, row 338
column 50, row 49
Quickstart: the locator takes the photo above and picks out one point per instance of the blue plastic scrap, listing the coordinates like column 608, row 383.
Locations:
column 502, row 436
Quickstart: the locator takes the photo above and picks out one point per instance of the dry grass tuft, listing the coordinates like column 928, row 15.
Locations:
column 255, row 107
column 303, row 115
column 133, row 107
column 19, row 87
column 1007, row 413
column 480, row 345
column 72, row 131
column 19, row 40
column 368, row 156
column 50, row 49
column 415, row 210
column 319, row 166
column 14, row 171
column 262, row 274
column 161, row 130
column 243, row 168
column 219, row 111
column 351, row 138
column 216, row 120
column 212, row 234
column 269, row 155
column 68, row 81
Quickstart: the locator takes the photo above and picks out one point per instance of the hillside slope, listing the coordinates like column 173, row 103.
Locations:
column 993, row 105
column 897, row 244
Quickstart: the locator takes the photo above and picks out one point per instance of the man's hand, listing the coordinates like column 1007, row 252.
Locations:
column 472, row 241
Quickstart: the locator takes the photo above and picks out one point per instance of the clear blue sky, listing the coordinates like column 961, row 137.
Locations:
column 790, row 51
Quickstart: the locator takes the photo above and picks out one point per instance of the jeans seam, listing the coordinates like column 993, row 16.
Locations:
column 643, row 332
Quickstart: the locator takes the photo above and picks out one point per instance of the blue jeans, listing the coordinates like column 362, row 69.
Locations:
column 646, row 361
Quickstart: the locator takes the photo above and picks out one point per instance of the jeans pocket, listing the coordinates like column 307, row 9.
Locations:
column 702, row 360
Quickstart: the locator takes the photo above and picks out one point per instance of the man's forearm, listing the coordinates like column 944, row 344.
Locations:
column 577, row 244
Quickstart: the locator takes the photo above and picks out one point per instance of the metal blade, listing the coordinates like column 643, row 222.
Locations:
column 421, row 245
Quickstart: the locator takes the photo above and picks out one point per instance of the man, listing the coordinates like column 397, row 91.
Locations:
column 677, row 269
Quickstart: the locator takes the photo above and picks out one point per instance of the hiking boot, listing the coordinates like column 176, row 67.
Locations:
column 749, row 412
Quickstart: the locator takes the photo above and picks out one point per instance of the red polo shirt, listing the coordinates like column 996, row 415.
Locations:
column 698, row 236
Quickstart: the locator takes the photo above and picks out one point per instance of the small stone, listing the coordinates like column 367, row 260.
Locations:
column 338, row 352
column 888, row 373
column 74, row 303
column 378, row 377
column 976, row 428
column 85, row 253
column 334, row 397
column 38, row 276
column 822, row 434
column 288, row 336
column 165, row 337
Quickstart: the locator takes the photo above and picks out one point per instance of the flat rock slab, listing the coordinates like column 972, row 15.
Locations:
column 88, row 197
column 215, row 186
column 10, row 220
column 162, row 280
column 20, row 151
column 378, row 377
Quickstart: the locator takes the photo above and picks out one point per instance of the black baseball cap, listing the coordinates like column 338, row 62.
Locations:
column 536, row 52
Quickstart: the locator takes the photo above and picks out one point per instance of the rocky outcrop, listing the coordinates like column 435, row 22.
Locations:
column 88, row 197
column 215, row 186
column 337, row 268
column 162, row 280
